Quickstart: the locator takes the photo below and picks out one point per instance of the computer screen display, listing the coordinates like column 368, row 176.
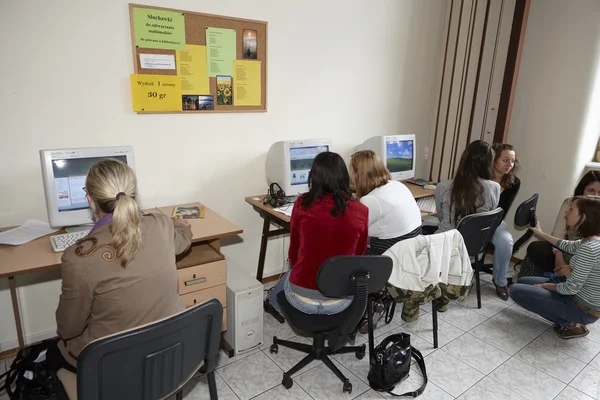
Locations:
column 399, row 155
column 301, row 159
column 69, row 181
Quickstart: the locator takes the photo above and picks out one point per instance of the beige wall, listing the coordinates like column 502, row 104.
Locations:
column 334, row 71
column 556, row 117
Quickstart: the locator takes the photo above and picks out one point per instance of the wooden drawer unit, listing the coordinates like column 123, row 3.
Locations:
column 203, row 268
column 200, row 296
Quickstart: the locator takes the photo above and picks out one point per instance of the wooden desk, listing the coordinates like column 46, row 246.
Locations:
column 38, row 255
column 269, row 216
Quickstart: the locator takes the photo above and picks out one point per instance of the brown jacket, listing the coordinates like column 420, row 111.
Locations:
column 100, row 298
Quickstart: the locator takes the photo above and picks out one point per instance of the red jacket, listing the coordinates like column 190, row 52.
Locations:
column 315, row 236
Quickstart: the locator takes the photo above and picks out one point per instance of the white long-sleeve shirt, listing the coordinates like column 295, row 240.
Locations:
column 393, row 211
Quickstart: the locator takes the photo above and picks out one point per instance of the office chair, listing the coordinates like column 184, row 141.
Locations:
column 524, row 216
column 150, row 362
column 338, row 277
column 477, row 231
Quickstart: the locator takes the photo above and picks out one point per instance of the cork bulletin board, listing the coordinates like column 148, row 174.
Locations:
column 172, row 59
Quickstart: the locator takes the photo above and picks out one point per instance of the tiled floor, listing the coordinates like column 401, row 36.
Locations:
column 498, row 352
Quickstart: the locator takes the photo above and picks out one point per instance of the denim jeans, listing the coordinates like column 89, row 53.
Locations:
column 553, row 306
column 503, row 247
column 308, row 308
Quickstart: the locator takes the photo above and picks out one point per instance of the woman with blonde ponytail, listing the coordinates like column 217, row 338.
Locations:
column 123, row 274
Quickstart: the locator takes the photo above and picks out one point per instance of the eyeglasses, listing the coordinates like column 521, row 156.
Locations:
column 84, row 189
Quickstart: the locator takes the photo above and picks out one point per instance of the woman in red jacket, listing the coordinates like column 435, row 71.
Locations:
column 325, row 222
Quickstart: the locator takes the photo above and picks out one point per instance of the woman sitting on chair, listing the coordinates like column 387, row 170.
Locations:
column 472, row 191
column 393, row 211
column 122, row 275
column 574, row 303
column 505, row 166
column 325, row 222
column 545, row 256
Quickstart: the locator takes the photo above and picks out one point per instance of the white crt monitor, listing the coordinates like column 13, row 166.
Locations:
column 397, row 153
column 64, row 173
column 289, row 162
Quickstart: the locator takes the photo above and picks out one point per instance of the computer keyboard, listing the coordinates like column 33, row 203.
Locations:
column 61, row 242
column 426, row 204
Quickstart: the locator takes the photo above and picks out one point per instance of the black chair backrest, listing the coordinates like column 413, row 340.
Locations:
column 343, row 276
column 525, row 216
column 152, row 361
column 477, row 230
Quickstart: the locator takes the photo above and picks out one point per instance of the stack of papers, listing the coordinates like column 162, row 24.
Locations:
column 30, row 230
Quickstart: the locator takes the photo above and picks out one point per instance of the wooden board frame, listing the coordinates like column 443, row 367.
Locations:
column 195, row 25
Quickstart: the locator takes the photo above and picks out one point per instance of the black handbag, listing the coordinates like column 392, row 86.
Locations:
column 390, row 364
column 30, row 378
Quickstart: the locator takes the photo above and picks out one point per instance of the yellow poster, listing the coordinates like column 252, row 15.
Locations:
column 155, row 92
column 246, row 81
column 191, row 68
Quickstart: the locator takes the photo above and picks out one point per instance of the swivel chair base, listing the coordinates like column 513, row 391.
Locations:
column 316, row 351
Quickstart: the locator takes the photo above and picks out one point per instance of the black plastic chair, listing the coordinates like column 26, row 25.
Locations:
column 153, row 361
column 338, row 277
column 524, row 216
column 477, row 231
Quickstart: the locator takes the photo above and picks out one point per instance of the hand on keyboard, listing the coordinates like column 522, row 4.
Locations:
column 61, row 242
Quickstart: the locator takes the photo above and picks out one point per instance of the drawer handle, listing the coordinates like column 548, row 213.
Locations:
column 195, row 281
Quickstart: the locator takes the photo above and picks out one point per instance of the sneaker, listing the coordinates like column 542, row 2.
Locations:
column 565, row 332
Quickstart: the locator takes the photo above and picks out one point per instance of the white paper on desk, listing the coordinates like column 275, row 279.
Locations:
column 30, row 230
column 287, row 209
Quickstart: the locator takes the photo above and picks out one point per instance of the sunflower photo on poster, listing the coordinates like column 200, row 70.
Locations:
column 224, row 90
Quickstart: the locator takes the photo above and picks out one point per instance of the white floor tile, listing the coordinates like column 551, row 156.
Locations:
column 594, row 332
column 251, row 376
column 582, row 349
column 489, row 389
column 423, row 327
column 490, row 306
column 322, row 383
column 370, row 395
column 478, row 354
column 461, row 317
column 529, row 382
column 522, row 321
column 559, row 365
column 450, row 374
column 588, row 381
column 197, row 389
column 501, row 336
column 279, row 392
column 572, row 394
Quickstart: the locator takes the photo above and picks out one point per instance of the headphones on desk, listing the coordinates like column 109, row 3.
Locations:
column 275, row 198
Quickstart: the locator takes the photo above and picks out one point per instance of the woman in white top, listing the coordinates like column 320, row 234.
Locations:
column 393, row 211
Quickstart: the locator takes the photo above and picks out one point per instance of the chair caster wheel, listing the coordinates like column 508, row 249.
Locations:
column 274, row 349
column 347, row 387
column 287, row 382
column 360, row 353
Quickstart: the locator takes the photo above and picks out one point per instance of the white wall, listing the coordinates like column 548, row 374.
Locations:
column 335, row 71
column 556, row 120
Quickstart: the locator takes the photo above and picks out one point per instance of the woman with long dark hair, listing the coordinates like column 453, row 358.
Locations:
column 326, row 221
column 472, row 191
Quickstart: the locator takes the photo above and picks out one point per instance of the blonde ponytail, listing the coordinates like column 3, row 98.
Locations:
column 111, row 184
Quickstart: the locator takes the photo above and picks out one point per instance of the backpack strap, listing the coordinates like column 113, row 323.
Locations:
column 416, row 354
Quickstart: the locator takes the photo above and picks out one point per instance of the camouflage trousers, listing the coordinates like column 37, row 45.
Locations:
column 440, row 295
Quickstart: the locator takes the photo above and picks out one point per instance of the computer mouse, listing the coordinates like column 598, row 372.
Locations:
column 429, row 187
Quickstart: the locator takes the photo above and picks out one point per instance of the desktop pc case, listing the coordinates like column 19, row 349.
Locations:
column 244, row 310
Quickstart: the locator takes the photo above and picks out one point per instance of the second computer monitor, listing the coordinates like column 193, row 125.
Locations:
column 289, row 163
column 397, row 153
